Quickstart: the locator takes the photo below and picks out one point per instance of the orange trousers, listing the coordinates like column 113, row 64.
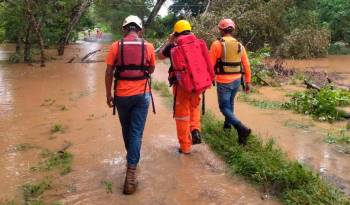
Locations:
column 187, row 115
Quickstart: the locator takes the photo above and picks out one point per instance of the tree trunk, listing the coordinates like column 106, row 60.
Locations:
column 76, row 14
column 18, row 44
column 37, row 28
column 154, row 12
column 27, row 45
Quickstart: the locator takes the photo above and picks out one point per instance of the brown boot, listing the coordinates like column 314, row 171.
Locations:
column 130, row 183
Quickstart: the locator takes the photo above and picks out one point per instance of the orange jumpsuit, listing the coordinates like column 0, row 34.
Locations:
column 187, row 115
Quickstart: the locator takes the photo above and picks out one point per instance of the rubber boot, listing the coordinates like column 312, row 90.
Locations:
column 243, row 133
column 130, row 183
column 196, row 137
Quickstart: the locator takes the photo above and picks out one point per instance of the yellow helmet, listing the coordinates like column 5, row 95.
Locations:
column 182, row 26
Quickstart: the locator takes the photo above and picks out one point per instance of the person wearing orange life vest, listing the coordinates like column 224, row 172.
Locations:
column 130, row 60
column 232, row 69
column 187, row 103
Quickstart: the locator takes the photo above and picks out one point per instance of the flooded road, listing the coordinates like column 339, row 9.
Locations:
column 34, row 99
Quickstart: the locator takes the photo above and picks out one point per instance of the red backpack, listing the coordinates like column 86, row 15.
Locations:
column 192, row 67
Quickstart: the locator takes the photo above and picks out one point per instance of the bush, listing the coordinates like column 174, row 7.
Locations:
column 305, row 43
column 339, row 48
column 15, row 58
column 320, row 104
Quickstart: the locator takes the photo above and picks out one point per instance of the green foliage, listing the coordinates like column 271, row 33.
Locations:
column 342, row 137
column 322, row 105
column 164, row 91
column 32, row 192
column 336, row 15
column 62, row 161
column 191, row 8
column 108, row 186
column 282, row 25
column 14, row 58
column 57, row 128
column 266, row 165
column 305, row 43
column 339, row 48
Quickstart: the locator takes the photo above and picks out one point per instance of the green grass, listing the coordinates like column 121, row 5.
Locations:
column 163, row 90
column 57, row 128
column 52, row 160
column 262, row 104
column 264, row 164
column 322, row 105
column 32, row 193
column 108, row 186
column 341, row 137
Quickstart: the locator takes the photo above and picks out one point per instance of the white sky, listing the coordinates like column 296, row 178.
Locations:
column 164, row 10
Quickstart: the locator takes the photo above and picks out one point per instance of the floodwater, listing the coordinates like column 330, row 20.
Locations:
column 33, row 99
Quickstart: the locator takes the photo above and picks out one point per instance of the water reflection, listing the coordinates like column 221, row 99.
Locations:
column 6, row 96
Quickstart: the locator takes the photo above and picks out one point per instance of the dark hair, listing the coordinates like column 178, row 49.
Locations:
column 228, row 30
column 187, row 32
column 132, row 27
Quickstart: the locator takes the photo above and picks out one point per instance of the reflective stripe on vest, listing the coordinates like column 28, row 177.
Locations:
column 230, row 61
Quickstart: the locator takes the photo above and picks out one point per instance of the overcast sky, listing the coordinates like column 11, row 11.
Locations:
column 164, row 10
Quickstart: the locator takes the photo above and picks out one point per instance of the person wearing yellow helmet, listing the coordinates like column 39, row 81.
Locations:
column 187, row 103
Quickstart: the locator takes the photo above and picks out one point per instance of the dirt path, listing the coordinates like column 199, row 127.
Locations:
column 33, row 99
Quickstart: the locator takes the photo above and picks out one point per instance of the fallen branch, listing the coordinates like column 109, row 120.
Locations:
column 72, row 59
column 66, row 145
column 89, row 55
column 94, row 61
column 312, row 86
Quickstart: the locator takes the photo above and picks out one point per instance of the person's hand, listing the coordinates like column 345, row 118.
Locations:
column 171, row 38
column 110, row 101
column 248, row 88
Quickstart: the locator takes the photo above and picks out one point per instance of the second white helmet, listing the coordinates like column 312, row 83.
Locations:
column 133, row 19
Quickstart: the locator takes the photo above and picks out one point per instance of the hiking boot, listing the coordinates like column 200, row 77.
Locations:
column 130, row 183
column 196, row 137
column 243, row 133
column 182, row 152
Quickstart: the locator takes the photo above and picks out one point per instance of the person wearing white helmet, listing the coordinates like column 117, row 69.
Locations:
column 131, row 60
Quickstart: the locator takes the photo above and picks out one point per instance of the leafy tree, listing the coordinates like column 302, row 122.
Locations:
column 190, row 8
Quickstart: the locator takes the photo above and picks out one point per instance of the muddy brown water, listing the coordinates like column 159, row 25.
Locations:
column 31, row 101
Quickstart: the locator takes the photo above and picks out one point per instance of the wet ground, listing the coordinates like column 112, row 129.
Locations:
column 33, row 99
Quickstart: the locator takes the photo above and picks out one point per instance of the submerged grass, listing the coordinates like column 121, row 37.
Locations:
column 262, row 104
column 62, row 161
column 32, row 193
column 108, row 186
column 266, row 165
column 57, row 128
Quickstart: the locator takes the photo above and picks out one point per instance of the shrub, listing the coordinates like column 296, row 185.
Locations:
column 305, row 43
column 320, row 104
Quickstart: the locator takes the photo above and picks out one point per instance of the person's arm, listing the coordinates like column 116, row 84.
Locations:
column 152, row 58
column 165, row 48
column 247, row 70
column 215, row 53
column 108, row 84
column 110, row 61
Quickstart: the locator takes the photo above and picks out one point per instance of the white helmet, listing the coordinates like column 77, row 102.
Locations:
column 133, row 19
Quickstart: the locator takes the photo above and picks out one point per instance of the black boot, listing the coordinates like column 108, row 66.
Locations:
column 227, row 126
column 243, row 133
column 196, row 137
